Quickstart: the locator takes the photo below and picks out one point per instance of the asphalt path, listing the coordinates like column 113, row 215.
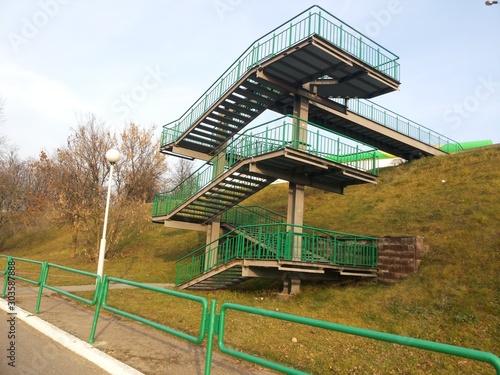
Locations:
column 33, row 353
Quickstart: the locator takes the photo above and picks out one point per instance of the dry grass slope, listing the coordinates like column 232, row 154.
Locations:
column 452, row 201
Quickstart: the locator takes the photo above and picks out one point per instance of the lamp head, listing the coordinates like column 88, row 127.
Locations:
column 113, row 155
column 490, row 2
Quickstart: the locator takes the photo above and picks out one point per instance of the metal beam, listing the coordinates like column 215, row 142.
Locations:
column 312, row 96
column 296, row 178
column 185, row 225
column 380, row 130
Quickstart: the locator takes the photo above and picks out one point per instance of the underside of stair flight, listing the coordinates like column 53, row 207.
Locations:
column 314, row 50
column 258, row 157
column 334, row 69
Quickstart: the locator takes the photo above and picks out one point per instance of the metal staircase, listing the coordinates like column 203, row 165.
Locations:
column 314, row 54
column 256, row 158
column 314, row 66
column 271, row 251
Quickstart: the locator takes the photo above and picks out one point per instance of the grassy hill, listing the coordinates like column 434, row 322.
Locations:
column 452, row 201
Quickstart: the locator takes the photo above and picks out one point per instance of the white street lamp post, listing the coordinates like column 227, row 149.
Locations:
column 113, row 156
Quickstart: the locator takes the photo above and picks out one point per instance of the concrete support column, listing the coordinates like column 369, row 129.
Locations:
column 295, row 216
column 295, row 211
column 213, row 233
column 291, row 285
column 301, row 110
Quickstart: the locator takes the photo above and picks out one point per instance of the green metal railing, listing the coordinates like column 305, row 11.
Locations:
column 279, row 242
column 401, row 124
column 313, row 21
column 270, row 136
column 41, row 282
column 361, row 332
column 95, row 279
column 12, row 270
column 183, row 335
column 251, row 215
column 213, row 324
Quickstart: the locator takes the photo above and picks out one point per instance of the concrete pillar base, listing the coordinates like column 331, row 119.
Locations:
column 291, row 285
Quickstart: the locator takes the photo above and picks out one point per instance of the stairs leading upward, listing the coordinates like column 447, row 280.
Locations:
column 314, row 54
column 223, row 277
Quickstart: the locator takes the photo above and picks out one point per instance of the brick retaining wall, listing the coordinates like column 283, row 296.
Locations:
column 399, row 257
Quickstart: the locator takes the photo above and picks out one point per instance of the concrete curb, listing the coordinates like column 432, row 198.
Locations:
column 80, row 347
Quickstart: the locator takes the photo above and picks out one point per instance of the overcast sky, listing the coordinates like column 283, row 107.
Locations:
column 148, row 61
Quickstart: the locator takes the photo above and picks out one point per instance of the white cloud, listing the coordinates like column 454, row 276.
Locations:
column 27, row 89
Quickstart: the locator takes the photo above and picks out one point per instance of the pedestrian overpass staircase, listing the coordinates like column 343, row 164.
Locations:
column 315, row 67
column 255, row 158
column 316, row 56
column 271, row 248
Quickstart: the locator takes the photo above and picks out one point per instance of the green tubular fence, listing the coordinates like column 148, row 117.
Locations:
column 251, row 215
column 376, row 335
column 401, row 124
column 15, row 267
column 43, row 275
column 279, row 242
column 313, row 21
column 265, row 138
column 173, row 293
column 213, row 324
column 93, row 302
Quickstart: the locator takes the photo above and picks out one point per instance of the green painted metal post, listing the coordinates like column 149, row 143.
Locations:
column 309, row 24
column 212, row 325
column 44, row 273
column 319, row 23
column 361, row 48
column 6, row 280
column 341, row 35
column 101, row 286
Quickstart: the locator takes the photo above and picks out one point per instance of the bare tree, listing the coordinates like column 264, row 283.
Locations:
column 75, row 179
column 142, row 169
column 16, row 183
column 180, row 173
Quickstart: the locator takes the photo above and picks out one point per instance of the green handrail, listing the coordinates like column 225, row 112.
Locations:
column 16, row 276
column 376, row 335
column 313, row 21
column 265, row 138
column 276, row 242
column 212, row 324
column 44, row 285
column 204, row 308
column 401, row 124
column 251, row 215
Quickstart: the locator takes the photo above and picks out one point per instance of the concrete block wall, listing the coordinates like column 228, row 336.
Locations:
column 399, row 257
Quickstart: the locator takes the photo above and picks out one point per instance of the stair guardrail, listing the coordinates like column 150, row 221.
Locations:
column 251, row 215
column 279, row 242
column 401, row 124
column 313, row 21
column 265, row 138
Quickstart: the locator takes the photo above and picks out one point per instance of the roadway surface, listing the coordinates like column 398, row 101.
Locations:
column 36, row 353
